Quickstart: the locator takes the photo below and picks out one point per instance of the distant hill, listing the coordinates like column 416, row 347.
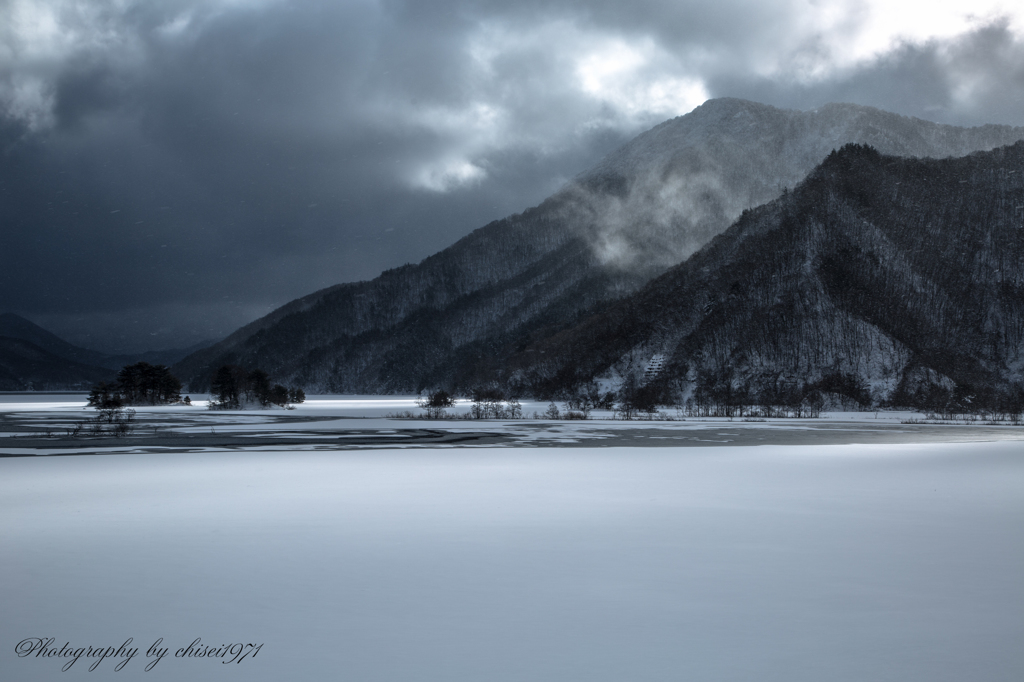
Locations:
column 28, row 350
column 900, row 277
column 154, row 357
column 24, row 366
column 455, row 318
column 17, row 327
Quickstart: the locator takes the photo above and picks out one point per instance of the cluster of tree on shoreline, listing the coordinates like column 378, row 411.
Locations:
column 233, row 388
column 718, row 398
column 138, row 384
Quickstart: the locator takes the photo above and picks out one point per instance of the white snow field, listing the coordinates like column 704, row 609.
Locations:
column 796, row 563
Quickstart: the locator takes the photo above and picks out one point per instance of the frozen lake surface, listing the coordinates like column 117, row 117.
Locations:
column 38, row 424
column 884, row 561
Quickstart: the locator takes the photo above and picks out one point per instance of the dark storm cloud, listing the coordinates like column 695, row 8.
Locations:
column 171, row 170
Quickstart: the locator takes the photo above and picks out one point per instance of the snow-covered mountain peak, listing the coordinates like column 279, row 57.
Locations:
column 722, row 124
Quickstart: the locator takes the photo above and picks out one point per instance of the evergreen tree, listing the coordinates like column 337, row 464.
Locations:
column 233, row 388
column 138, row 384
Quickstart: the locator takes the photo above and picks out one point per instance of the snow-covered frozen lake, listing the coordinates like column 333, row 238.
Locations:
column 891, row 561
column 39, row 424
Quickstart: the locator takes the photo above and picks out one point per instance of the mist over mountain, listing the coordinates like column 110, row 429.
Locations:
column 888, row 280
column 455, row 318
column 670, row 190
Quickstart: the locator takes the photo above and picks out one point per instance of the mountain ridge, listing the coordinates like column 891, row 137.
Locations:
column 456, row 317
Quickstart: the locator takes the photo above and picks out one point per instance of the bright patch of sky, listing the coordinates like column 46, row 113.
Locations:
column 620, row 74
column 887, row 22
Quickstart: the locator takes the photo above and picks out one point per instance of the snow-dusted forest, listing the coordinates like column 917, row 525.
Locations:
column 885, row 280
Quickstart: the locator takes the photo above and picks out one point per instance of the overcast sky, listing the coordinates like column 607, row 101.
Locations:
column 171, row 170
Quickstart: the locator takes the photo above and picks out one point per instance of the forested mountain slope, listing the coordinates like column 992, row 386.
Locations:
column 456, row 317
column 902, row 277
